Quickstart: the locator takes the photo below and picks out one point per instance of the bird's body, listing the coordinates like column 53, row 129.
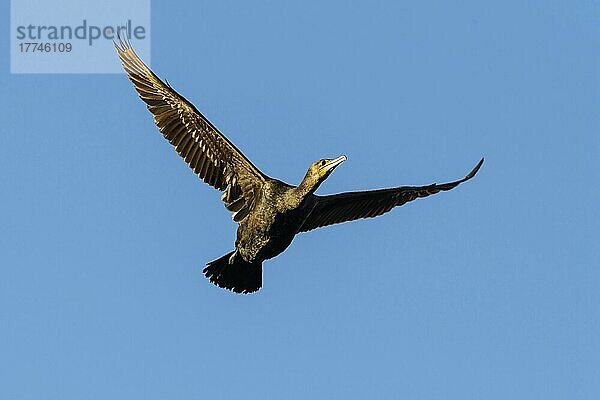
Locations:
column 271, row 226
column 269, row 212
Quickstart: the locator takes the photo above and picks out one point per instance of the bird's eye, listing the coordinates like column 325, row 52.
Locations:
column 322, row 162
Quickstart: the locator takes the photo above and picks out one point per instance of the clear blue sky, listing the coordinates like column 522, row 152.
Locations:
column 490, row 291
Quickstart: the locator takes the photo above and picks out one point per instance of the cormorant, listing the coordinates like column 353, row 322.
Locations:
column 269, row 212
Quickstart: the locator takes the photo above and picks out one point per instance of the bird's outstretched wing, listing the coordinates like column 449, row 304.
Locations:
column 208, row 152
column 351, row 206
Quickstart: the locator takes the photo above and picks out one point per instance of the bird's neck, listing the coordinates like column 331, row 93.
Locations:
column 304, row 189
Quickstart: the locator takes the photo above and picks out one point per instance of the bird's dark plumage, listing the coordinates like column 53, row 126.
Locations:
column 208, row 152
column 269, row 212
column 351, row 206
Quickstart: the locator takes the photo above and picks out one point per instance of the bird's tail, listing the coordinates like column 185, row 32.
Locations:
column 232, row 272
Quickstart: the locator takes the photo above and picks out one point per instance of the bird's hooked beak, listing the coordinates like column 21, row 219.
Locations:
column 330, row 165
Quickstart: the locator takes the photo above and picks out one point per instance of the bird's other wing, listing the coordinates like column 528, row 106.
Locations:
column 206, row 150
column 351, row 206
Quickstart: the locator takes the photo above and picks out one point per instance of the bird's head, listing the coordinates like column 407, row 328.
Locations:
column 320, row 170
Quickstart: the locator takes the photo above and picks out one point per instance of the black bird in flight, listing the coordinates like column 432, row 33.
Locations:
column 269, row 212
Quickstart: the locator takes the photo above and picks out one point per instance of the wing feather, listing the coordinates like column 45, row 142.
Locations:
column 351, row 206
column 206, row 150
